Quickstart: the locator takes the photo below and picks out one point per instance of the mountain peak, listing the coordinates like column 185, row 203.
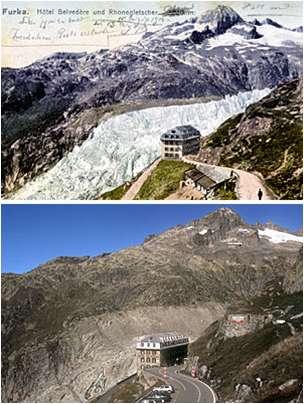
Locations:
column 223, row 217
column 269, row 21
column 227, row 211
column 220, row 19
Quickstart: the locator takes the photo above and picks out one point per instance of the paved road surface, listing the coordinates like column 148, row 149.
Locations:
column 187, row 389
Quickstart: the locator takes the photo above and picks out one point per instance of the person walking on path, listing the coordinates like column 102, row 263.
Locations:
column 260, row 194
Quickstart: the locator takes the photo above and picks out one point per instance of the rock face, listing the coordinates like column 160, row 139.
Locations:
column 69, row 326
column 293, row 281
column 53, row 104
column 257, row 361
column 253, row 34
column 236, row 325
column 266, row 138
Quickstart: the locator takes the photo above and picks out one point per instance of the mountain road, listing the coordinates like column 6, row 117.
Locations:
column 187, row 389
column 248, row 184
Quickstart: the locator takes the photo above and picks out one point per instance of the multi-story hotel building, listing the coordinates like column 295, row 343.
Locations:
column 161, row 350
column 179, row 142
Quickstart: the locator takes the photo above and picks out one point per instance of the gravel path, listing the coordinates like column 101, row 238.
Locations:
column 134, row 189
column 248, row 184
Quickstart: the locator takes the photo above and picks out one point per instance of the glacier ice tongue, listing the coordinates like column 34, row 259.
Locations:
column 122, row 146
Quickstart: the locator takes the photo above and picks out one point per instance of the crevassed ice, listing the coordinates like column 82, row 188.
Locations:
column 122, row 146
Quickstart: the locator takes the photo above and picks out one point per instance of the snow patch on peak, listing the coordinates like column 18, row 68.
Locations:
column 270, row 36
column 227, row 210
column 277, row 237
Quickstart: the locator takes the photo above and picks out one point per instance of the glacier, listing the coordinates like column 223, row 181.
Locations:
column 276, row 237
column 122, row 146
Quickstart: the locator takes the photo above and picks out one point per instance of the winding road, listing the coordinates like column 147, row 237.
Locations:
column 247, row 187
column 187, row 389
column 248, row 184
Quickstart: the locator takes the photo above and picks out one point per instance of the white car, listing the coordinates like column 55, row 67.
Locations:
column 166, row 387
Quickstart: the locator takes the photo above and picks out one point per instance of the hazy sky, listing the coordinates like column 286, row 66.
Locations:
column 28, row 38
column 33, row 234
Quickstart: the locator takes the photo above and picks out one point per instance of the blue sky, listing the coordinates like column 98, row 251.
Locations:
column 33, row 234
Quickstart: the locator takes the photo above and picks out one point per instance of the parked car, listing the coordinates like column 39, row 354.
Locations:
column 165, row 387
column 161, row 392
column 159, row 397
column 149, row 400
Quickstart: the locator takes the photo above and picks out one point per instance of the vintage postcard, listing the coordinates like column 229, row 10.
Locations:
column 151, row 100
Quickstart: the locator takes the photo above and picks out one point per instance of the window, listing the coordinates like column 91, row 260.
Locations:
column 142, row 352
column 142, row 344
column 148, row 344
column 153, row 360
column 142, row 359
column 148, row 360
column 153, row 353
column 154, row 344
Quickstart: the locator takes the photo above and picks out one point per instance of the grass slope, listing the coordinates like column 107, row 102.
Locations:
column 164, row 180
column 116, row 193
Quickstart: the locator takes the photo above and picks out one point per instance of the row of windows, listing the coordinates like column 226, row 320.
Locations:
column 148, row 360
column 148, row 352
column 148, row 344
column 172, row 149
column 185, row 147
column 180, row 341
column 171, row 155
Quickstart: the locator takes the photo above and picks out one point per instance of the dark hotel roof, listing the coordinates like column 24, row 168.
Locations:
column 184, row 132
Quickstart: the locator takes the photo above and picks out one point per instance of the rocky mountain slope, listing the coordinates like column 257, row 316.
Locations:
column 69, row 326
column 259, row 360
column 53, row 104
column 267, row 138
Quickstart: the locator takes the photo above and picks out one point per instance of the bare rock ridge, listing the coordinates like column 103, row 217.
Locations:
column 54, row 104
column 68, row 326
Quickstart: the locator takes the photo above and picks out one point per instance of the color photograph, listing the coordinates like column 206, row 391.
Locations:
column 149, row 303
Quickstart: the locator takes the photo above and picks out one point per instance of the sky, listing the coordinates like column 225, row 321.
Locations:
column 31, row 37
column 34, row 234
